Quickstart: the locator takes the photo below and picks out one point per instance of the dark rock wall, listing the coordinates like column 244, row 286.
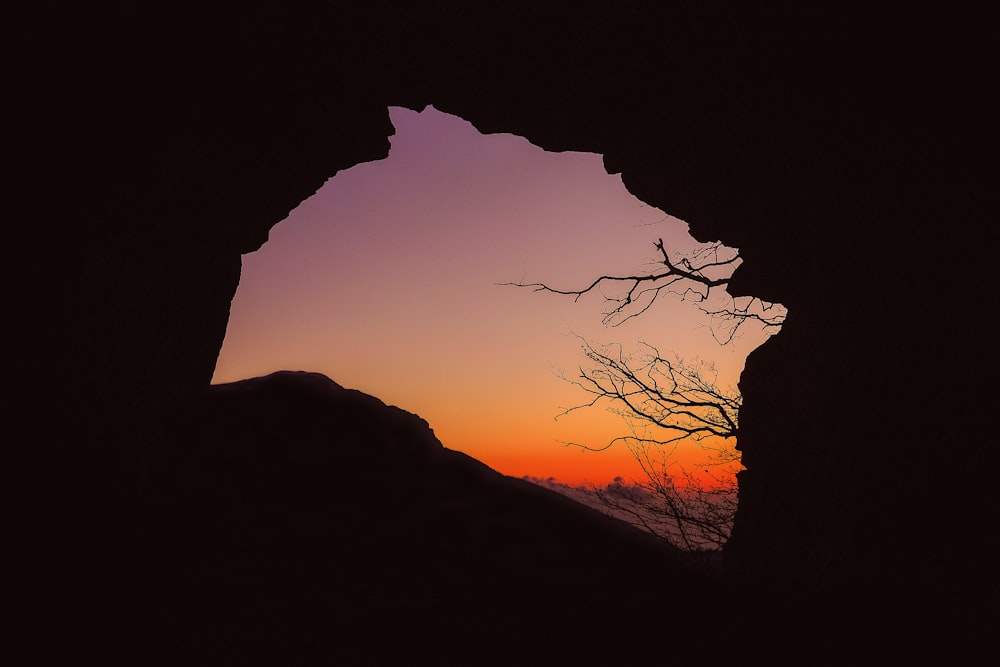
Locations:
column 844, row 153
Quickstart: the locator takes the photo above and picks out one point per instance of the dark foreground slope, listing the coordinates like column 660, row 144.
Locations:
column 849, row 153
column 298, row 522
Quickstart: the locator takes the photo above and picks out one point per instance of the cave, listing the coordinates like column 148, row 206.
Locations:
column 842, row 152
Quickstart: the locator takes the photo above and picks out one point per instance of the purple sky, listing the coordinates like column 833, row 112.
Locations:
column 386, row 281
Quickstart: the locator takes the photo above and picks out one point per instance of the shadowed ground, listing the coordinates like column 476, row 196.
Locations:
column 296, row 520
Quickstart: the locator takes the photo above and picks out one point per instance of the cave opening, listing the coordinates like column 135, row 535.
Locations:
column 395, row 278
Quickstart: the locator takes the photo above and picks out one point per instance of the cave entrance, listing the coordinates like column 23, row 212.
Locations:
column 390, row 279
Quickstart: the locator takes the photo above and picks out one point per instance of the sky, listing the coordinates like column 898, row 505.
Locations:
column 389, row 280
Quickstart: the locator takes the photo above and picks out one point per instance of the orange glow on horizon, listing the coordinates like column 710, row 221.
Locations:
column 387, row 281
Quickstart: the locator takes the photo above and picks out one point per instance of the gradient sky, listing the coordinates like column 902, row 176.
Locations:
column 386, row 280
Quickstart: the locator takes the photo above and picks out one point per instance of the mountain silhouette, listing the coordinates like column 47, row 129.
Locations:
column 299, row 520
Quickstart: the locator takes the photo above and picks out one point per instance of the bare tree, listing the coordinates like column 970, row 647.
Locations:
column 667, row 402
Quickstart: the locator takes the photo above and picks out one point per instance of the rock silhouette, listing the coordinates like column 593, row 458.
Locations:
column 847, row 154
column 302, row 521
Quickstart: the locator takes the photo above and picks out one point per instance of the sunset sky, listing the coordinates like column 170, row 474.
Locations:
column 387, row 281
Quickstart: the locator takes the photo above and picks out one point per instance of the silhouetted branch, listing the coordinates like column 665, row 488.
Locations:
column 681, row 400
column 690, row 513
column 693, row 277
column 684, row 402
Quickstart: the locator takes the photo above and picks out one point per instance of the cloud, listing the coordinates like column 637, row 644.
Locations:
column 587, row 494
column 639, row 506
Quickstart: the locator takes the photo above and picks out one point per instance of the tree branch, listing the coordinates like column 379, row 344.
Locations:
column 693, row 277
